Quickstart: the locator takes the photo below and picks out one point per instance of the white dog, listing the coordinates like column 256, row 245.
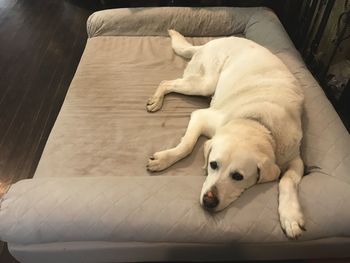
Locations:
column 254, row 122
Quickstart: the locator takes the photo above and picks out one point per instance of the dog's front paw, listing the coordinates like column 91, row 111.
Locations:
column 292, row 222
column 158, row 162
column 154, row 103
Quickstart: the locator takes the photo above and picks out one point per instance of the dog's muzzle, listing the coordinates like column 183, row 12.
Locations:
column 210, row 199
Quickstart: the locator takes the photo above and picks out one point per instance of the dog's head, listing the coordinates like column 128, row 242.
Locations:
column 240, row 155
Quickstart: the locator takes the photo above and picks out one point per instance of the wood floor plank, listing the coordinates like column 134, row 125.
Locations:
column 43, row 46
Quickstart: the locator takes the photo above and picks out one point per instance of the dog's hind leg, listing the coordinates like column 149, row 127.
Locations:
column 291, row 216
column 196, row 84
column 203, row 122
column 181, row 46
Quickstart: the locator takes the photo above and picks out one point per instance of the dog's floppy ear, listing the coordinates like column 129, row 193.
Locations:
column 268, row 171
column 207, row 149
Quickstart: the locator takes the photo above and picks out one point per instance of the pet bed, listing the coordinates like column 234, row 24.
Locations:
column 92, row 200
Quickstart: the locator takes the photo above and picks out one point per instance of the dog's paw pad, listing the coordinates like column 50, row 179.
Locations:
column 292, row 229
column 154, row 103
column 292, row 225
column 159, row 161
column 154, row 164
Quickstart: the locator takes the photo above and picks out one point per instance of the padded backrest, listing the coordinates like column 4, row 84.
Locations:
column 210, row 21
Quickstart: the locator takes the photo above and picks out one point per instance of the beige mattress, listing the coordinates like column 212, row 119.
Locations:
column 91, row 198
column 103, row 128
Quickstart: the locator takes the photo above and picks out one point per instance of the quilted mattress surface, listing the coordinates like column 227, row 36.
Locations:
column 91, row 183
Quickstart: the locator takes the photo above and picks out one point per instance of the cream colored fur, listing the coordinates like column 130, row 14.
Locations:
column 253, row 122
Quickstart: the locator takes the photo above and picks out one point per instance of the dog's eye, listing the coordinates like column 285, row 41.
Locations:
column 236, row 176
column 214, row 165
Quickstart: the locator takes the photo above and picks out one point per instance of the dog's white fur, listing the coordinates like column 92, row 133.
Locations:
column 253, row 122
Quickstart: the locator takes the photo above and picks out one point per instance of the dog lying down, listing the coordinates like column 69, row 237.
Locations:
column 253, row 122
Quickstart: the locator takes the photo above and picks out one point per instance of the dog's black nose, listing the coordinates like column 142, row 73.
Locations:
column 210, row 200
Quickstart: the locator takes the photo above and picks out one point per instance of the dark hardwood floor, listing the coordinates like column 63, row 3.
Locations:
column 41, row 44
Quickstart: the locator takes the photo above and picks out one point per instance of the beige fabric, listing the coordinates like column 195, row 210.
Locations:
column 162, row 209
column 103, row 127
column 190, row 21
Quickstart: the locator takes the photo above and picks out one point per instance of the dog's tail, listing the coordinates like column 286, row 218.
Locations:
column 181, row 46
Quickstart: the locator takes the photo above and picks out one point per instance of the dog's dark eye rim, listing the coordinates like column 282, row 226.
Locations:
column 236, row 176
column 213, row 165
